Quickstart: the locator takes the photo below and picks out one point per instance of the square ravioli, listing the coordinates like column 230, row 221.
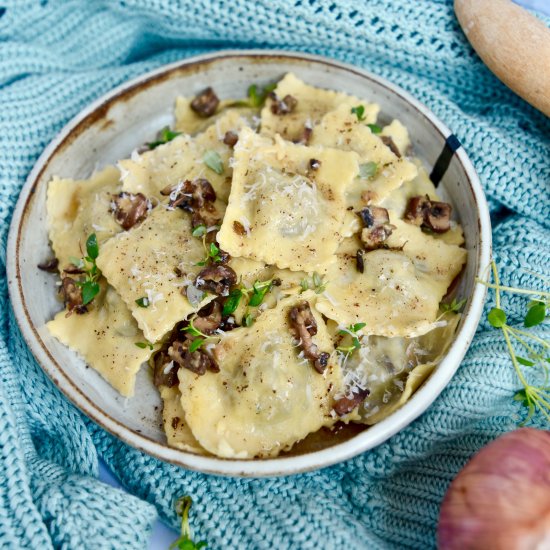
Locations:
column 185, row 158
column 311, row 105
column 155, row 260
column 106, row 338
column 267, row 396
column 281, row 210
column 78, row 208
column 392, row 296
column 381, row 170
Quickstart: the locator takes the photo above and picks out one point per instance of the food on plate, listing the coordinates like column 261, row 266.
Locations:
column 281, row 263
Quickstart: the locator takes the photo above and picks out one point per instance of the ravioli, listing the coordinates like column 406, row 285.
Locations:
column 78, row 208
column 431, row 256
column 142, row 263
column 341, row 129
column 105, row 336
column 183, row 158
column 400, row 290
column 265, row 397
column 312, row 104
column 393, row 368
column 178, row 434
column 270, row 178
column 392, row 296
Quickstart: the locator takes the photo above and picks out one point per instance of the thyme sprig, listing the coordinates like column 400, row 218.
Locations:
column 533, row 397
column 254, row 294
column 351, row 331
column 200, row 337
column 185, row 541
column 212, row 253
column 316, row 283
column 164, row 136
column 359, row 112
column 89, row 286
column 255, row 96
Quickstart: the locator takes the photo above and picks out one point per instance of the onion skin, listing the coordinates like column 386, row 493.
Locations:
column 501, row 499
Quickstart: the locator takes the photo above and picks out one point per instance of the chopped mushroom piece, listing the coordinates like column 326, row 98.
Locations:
column 314, row 164
column 216, row 279
column 283, row 106
column 230, row 138
column 372, row 216
column 360, row 260
column 304, row 326
column 345, row 405
column 72, row 295
column 73, row 270
column 432, row 215
column 49, row 265
column 130, row 209
column 205, row 103
column 198, row 361
column 377, row 227
column 190, row 195
column 305, row 137
column 238, row 227
column 388, row 141
column 209, row 318
column 165, row 371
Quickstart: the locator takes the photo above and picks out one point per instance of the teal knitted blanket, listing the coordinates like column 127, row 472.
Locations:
column 57, row 56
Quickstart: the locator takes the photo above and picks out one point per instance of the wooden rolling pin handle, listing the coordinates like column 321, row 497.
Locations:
column 514, row 44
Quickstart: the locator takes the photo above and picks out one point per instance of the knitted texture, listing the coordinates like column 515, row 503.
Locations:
column 55, row 58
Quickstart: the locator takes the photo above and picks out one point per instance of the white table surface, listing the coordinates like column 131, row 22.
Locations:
column 163, row 536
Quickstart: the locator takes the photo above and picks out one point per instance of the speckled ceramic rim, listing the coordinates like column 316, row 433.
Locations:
column 253, row 468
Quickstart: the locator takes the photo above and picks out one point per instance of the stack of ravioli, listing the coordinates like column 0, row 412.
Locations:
column 282, row 220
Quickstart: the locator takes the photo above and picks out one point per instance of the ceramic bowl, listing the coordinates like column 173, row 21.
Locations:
column 110, row 129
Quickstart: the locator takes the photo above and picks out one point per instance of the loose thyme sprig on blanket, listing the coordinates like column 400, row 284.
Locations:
column 185, row 542
column 531, row 396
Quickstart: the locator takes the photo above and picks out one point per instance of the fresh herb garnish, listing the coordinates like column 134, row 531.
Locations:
column 232, row 302
column 257, row 294
column 257, row 95
column 90, row 286
column 453, row 307
column 213, row 160
column 351, row 331
column 212, row 254
column 164, row 136
column 200, row 337
column 368, row 170
column 199, row 231
column 359, row 111
column 194, row 331
column 185, row 542
column 374, row 128
column 533, row 397
column 144, row 345
column 143, row 302
column 316, row 283
column 259, row 290
column 248, row 320
column 196, row 344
